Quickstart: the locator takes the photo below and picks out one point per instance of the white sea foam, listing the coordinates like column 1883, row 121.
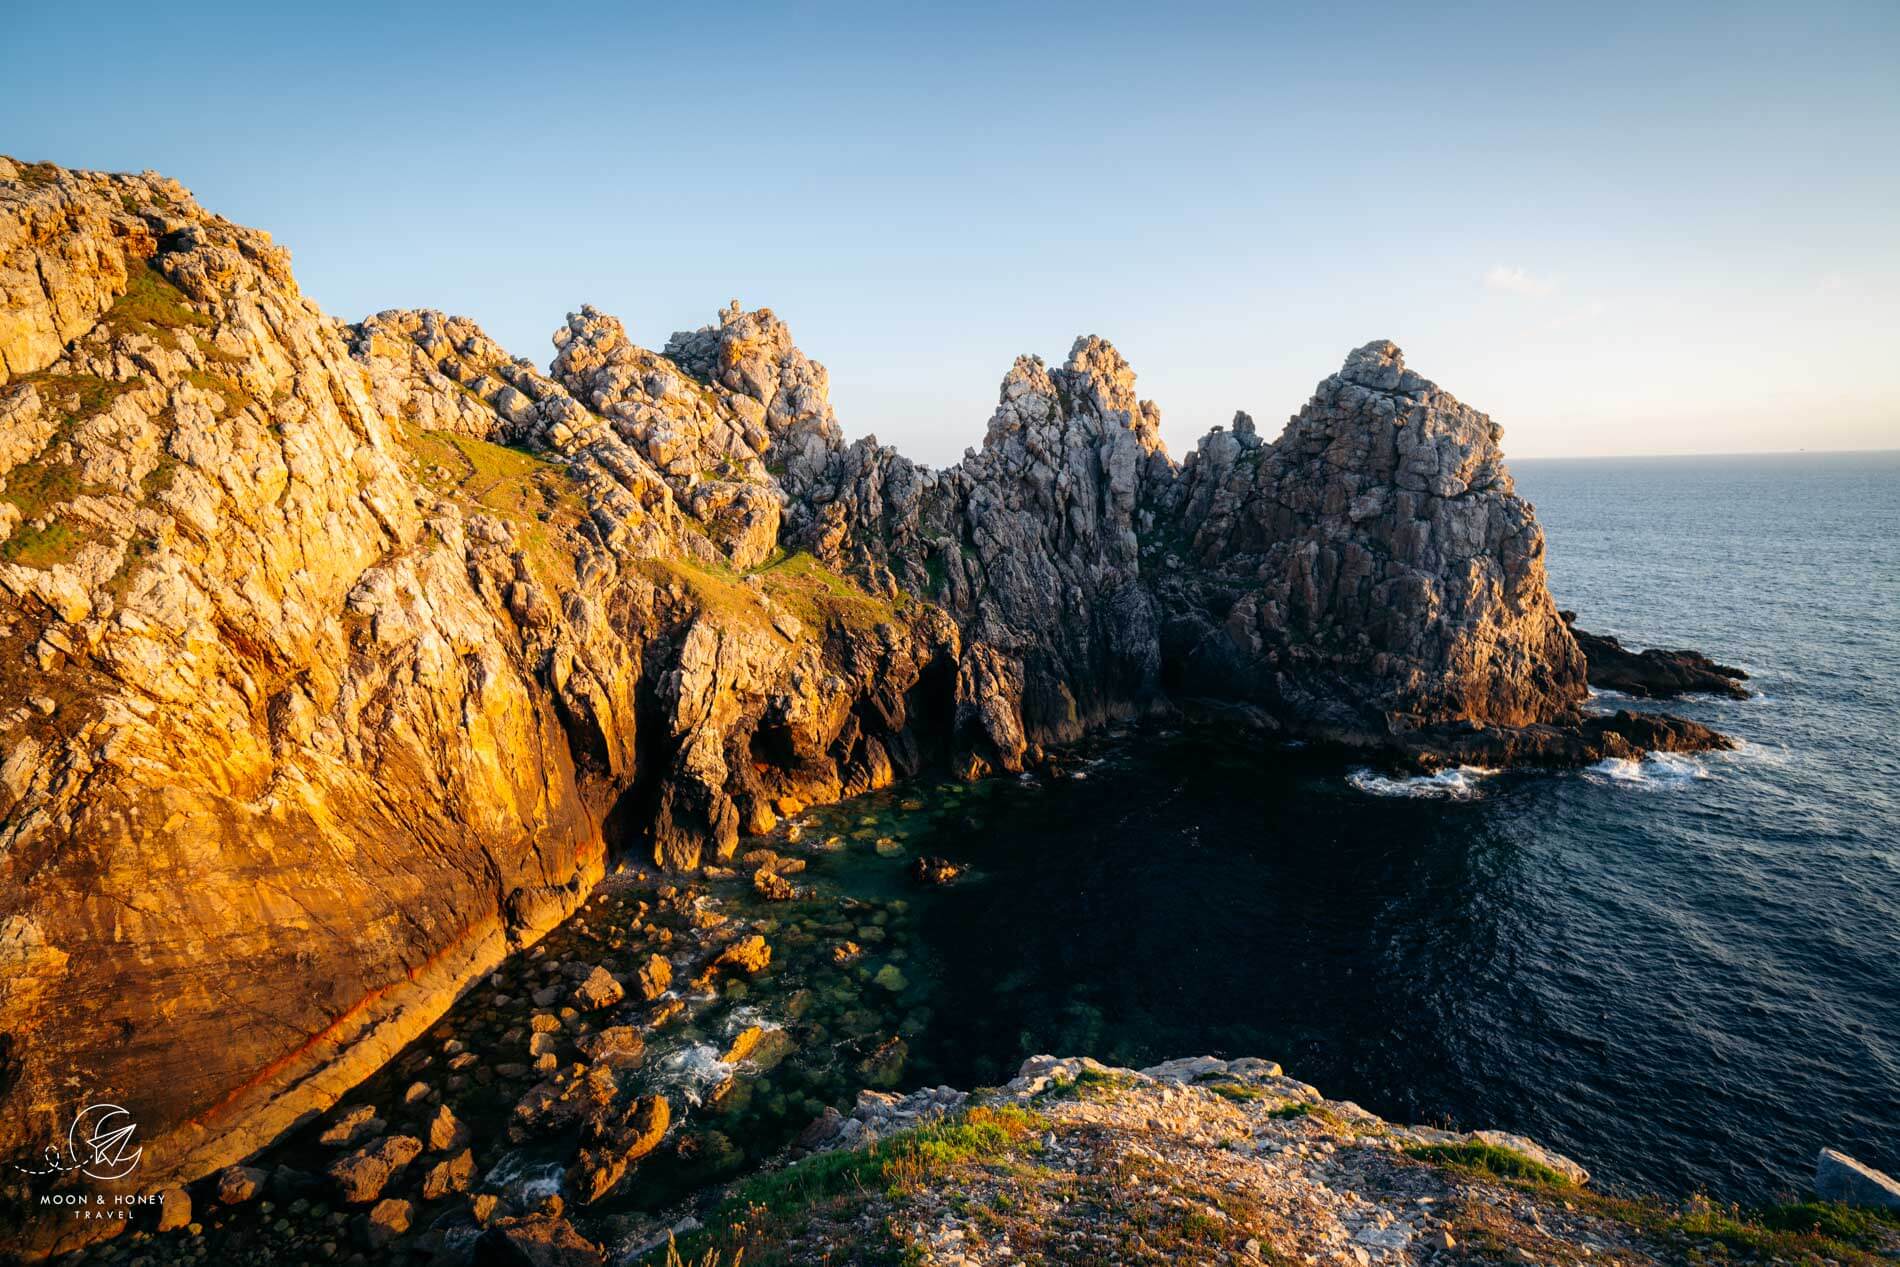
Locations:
column 693, row 1071
column 527, row 1183
column 1657, row 769
column 1461, row 784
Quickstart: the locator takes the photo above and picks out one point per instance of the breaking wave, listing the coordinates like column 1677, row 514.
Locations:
column 1461, row 784
column 1656, row 769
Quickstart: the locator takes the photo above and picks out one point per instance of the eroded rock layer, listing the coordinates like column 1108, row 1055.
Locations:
column 335, row 659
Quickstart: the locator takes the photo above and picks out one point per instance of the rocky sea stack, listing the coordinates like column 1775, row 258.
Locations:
column 337, row 659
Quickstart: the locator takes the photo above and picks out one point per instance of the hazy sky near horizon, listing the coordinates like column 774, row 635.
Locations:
column 1654, row 228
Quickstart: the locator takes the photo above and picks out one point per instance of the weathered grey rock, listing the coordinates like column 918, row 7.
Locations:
column 1838, row 1177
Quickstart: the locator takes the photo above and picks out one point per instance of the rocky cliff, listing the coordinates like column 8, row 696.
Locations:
column 338, row 658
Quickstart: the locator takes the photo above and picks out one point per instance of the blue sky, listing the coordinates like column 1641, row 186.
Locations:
column 1653, row 228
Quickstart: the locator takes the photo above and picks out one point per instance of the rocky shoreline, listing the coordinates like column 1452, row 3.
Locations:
column 339, row 662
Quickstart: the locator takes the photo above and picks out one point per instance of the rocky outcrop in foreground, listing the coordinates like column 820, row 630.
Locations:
column 1208, row 1161
column 335, row 659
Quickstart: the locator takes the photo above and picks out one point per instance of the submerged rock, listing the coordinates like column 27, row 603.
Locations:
column 931, row 870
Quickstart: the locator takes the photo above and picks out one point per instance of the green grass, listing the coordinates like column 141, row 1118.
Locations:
column 1088, row 1084
column 528, row 490
column 42, row 547
column 762, row 1214
column 1240, row 1092
column 1491, row 1160
column 1802, row 1232
column 818, row 595
column 151, row 304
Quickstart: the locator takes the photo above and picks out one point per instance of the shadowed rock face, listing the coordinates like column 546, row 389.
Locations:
column 335, row 658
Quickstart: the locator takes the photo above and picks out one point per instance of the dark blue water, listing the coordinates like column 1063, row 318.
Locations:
column 1685, row 973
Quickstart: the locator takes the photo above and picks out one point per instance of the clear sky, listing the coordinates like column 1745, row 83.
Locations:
column 1619, row 229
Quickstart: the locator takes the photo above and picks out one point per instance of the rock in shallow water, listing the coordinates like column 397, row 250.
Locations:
column 1838, row 1177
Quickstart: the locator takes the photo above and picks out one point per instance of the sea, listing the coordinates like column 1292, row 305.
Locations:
column 1682, row 971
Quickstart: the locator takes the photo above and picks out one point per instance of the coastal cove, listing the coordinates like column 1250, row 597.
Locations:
column 462, row 812
column 1676, row 970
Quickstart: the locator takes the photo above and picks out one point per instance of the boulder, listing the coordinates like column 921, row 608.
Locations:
column 930, row 870
column 537, row 1240
column 619, row 1045
column 613, row 1141
column 1838, row 1177
column 238, row 1184
column 748, row 955
column 361, row 1176
column 385, row 1221
column 452, row 1174
column 447, row 1132
column 654, row 978
column 174, row 1209
column 352, row 1126
column 772, row 886
column 598, row 990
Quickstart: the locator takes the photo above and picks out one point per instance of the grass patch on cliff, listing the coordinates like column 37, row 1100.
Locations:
column 531, row 492
column 151, row 304
column 1804, row 1232
column 799, row 583
column 1489, row 1159
column 765, row 1216
column 818, row 595
column 42, row 547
